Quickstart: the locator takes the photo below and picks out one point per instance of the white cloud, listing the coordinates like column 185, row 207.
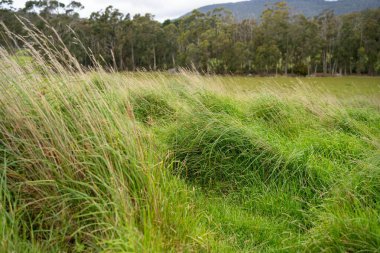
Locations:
column 162, row 9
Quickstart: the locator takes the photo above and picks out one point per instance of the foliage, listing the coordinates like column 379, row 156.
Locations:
column 280, row 42
column 97, row 161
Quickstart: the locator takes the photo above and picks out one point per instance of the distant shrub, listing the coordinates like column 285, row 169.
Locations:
column 300, row 69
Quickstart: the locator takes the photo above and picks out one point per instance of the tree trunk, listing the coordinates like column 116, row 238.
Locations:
column 154, row 58
column 113, row 60
column 286, row 65
column 286, row 57
column 121, row 63
column 324, row 59
column 173, row 59
column 133, row 57
column 350, row 68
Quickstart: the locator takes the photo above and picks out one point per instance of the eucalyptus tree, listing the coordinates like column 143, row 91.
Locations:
column 279, row 42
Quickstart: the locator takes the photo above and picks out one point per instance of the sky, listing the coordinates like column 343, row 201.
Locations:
column 162, row 9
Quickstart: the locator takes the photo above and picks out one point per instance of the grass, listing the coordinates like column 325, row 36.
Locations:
column 149, row 162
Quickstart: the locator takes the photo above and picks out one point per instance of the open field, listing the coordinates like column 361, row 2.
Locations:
column 147, row 162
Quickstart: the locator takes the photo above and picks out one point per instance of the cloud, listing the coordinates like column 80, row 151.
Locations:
column 162, row 9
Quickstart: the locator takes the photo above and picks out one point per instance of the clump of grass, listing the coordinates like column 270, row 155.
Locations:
column 345, row 230
column 348, row 219
column 219, row 104
column 98, row 83
column 270, row 109
column 355, row 120
column 219, row 149
column 285, row 116
column 149, row 108
column 79, row 173
column 367, row 119
column 216, row 149
column 361, row 187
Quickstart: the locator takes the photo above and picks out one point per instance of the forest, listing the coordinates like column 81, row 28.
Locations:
column 280, row 42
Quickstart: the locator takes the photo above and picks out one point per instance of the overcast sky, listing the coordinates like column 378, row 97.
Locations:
column 162, row 9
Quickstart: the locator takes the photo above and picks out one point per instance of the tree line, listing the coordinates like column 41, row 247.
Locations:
column 280, row 42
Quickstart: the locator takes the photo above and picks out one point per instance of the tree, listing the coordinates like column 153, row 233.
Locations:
column 275, row 30
column 280, row 42
column 371, row 37
column 73, row 8
column 268, row 57
column 171, row 44
column 362, row 61
column 104, row 30
column 348, row 42
column 329, row 27
column 4, row 4
column 304, row 45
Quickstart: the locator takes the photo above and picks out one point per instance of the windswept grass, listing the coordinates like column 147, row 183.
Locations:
column 147, row 162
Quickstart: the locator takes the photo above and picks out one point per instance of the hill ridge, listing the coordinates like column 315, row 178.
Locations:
column 254, row 8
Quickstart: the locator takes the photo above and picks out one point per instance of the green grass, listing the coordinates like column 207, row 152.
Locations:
column 151, row 162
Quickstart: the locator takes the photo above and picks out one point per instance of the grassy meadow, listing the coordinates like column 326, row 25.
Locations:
column 93, row 161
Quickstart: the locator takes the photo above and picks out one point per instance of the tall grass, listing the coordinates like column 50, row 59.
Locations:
column 78, row 172
column 96, row 161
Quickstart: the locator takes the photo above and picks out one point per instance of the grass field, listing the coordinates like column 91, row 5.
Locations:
column 147, row 162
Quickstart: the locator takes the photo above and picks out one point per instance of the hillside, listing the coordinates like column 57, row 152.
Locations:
column 310, row 8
